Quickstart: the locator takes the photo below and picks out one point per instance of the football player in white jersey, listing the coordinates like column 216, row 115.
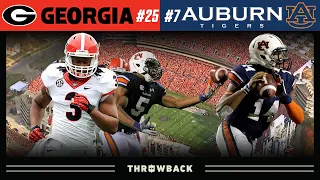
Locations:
column 83, row 96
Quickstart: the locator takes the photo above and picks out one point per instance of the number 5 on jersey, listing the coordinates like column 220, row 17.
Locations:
column 77, row 111
column 140, row 106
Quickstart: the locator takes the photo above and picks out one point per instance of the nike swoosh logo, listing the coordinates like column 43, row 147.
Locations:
column 48, row 150
column 85, row 88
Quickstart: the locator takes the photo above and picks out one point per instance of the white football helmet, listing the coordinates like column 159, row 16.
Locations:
column 146, row 64
column 269, row 51
column 81, row 45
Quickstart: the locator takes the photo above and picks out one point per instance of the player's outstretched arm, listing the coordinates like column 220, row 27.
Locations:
column 172, row 102
column 38, row 105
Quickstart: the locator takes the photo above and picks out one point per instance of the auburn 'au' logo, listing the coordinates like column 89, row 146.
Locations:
column 138, row 56
column 264, row 44
column 301, row 16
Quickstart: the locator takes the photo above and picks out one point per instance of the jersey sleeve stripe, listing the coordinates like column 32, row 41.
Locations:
column 104, row 96
column 284, row 87
column 123, row 80
column 107, row 94
column 234, row 78
column 236, row 74
column 121, row 76
column 122, row 84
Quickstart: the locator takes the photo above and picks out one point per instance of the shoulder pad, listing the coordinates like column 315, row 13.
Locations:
column 128, row 75
column 241, row 74
column 107, row 81
column 106, row 75
column 51, row 74
column 126, row 78
column 162, row 89
column 160, row 85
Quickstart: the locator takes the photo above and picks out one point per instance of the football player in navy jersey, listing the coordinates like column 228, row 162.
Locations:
column 137, row 91
column 245, row 114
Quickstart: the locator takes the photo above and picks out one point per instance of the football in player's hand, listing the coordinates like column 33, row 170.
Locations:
column 219, row 75
column 267, row 88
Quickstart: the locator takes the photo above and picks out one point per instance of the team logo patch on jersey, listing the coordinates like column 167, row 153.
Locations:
column 141, row 87
column 59, row 83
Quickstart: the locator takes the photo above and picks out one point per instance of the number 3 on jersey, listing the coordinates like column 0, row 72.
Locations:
column 140, row 106
column 77, row 111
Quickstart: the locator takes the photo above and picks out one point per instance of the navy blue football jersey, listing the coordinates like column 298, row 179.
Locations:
column 141, row 95
column 255, row 113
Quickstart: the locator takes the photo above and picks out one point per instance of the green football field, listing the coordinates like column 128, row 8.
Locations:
column 194, row 130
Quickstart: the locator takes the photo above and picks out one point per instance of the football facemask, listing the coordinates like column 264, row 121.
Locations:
column 152, row 70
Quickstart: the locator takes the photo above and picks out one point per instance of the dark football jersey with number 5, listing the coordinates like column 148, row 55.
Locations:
column 255, row 113
column 141, row 95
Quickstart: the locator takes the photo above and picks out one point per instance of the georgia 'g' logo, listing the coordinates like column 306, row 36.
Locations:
column 301, row 16
column 19, row 15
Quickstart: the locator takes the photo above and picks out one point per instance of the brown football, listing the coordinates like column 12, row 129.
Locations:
column 267, row 88
column 219, row 75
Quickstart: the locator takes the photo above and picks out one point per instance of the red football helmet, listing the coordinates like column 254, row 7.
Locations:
column 81, row 45
column 118, row 65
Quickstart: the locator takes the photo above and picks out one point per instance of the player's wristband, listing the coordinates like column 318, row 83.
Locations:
column 203, row 97
column 136, row 126
column 90, row 108
column 34, row 127
column 286, row 99
column 246, row 89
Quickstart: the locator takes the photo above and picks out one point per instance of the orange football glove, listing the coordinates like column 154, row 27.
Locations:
column 35, row 135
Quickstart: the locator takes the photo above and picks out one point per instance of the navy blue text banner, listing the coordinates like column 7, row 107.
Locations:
column 235, row 15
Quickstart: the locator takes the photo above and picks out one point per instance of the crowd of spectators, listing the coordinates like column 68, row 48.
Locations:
column 13, row 136
column 231, row 47
column 180, row 73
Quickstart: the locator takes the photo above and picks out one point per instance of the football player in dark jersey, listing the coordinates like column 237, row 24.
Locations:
column 245, row 114
column 118, row 66
column 137, row 91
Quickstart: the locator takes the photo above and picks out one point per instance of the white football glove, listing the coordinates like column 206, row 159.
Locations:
column 147, row 128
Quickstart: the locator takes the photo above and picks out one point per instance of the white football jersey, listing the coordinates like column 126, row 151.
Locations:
column 70, row 125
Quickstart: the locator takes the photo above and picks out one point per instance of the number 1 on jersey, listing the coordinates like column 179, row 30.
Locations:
column 258, row 105
column 140, row 106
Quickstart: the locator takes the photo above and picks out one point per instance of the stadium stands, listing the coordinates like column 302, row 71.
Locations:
column 231, row 47
column 183, row 74
column 16, row 139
